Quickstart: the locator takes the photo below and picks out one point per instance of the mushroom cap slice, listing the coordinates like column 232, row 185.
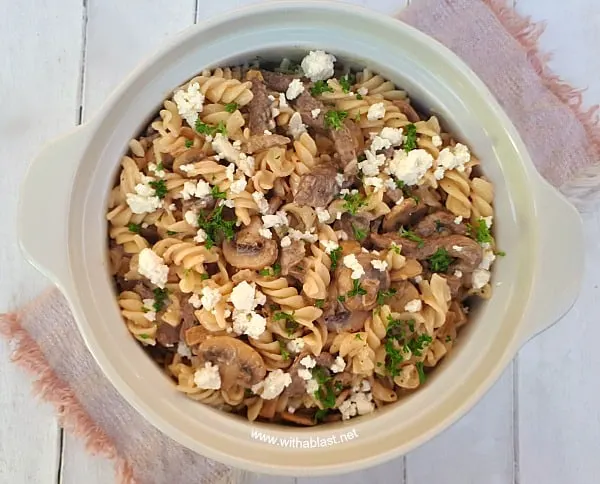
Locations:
column 407, row 212
column 371, row 282
column 249, row 250
column 238, row 362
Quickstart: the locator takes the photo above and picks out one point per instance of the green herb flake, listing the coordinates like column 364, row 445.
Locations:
column 319, row 88
column 160, row 296
column 231, row 107
column 208, row 130
column 358, row 336
column 335, row 255
column 440, row 261
column 353, row 202
column 400, row 184
column 270, row 271
column 439, row 226
column 411, row 325
column 357, row 289
column 500, row 253
column 291, row 325
column 319, row 303
column 341, row 298
column 339, row 386
column 325, row 393
column 448, row 339
column 335, row 119
column 383, row 295
column 359, row 97
column 480, row 232
column 357, row 116
column 285, row 354
column 204, row 276
column 135, row 228
column 321, row 414
column 393, row 358
column 408, row 234
column 160, row 188
column 359, row 234
column 214, row 226
column 422, row 376
column 189, row 143
column 416, row 345
column 217, row 194
column 144, row 336
column 171, row 232
column 346, row 82
column 394, row 328
column 410, row 137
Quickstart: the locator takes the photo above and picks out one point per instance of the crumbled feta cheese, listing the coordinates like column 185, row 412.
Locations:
column 242, row 296
column 187, row 167
column 249, row 323
column 210, row 298
column 153, row 167
column 458, row 248
column 364, row 405
column 295, row 88
column 329, row 245
column 272, row 386
column 200, row 236
column 299, row 235
column 338, row 365
column 439, row 173
column 373, row 181
column 338, row 216
column 291, row 409
column 376, row 111
column 282, row 101
column 340, row 179
column 228, row 203
column 285, row 241
column 261, row 202
column 208, row 378
column 172, row 207
column 410, row 167
column 266, row 132
column 144, row 200
column 295, row 126
column 436, row 141
column 198, row 190
column 380, row 265
column 458, row 220
column 189, row 103
column 322, row 214
column 454, row 159
column 488, row 258
column 153, row 267
column 266, row 233
column 271, row 98
column 390, row 184
column 413, row 306
column 393, row 135
column 184, row 350
column 195, row 301
column 480, row 278
column 379, row 143
column 488, row 221
column 229, row 171
column 273, row 221
column 238, row 186
column 347, row 409
column 318, row 65
column 351, row 262
column 365, row 386
column 296, row 345
column 363, row 91
column 458, row 273
column 312, row 386
column 304, row 374
column 150, row 316
column 225, row 149
column 340, row 233
column 418, row 279
column 308, row 362
column 315, row 113
column 370, row 165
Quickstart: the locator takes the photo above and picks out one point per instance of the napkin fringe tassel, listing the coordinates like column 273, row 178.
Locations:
column 584, row 188
column 27, row 354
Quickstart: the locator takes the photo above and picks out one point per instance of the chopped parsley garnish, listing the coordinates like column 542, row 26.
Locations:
column 160, row 167
column 440, row 261
column 320, row 87
column 171, row 232
column 359, row 234
column 346, row 82
column 358, row 336
column 416, row 345
column 334, row 255
column 208, row 130
column 144, row 336
column 359, row 97
column 500, row 253
column 410, row 137
column 382, row 295
column 217, row 194
column 204, row 276
column 160, row 188
column 357, row 116
column 422, row 376
column 160, row 296
column 448, row 339
column 353, row 201
column 394, row 328
column 325, row 393
column 393, row 358
column 214, row 225
column 341, row 298
column 231, row 107
column 270, row 271
column 248, row 392
column 439, row 226
column 357, row 289
column 408, row 234
column 291, row 325
column 400, row 184
column 339, row 386
column 335, row 119
column 319, row 303
column 189, row 143
column 321, row 414
column 285, row 354
column 361, row 157
column 411, row 325
column 135, row 228
column 480, row 232
column 395, row 248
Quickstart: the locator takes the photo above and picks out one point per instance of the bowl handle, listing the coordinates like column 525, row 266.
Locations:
column 43, row 207
column 559, row 272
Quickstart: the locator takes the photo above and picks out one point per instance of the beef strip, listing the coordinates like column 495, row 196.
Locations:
column 351, row 224
column 343, row 142
column 277, row 81
column 407, row 110
column 187, row 317
column 439, row 223
column 167, row 335
column 259, row 109
column 317, row 188
column 144, row 291
column 291, row 256
column 263, row 142
column 305, row 104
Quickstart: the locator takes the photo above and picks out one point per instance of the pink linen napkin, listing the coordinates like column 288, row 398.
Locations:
column 563, row 139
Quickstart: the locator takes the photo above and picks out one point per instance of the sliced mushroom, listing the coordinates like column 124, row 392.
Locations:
column 407, row 110
column 370, row 283
column 405, row 292
column 238, row 362
column 298, row 418
column 196, row 335
column 291, row 256
column 193, row 155
column 439, row 223
column 249, row 250
column 346, row 321
column 265, row 141
column 354, row 225
column 407, row 212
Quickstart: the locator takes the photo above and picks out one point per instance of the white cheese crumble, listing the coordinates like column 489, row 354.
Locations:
column 458, row 220
column 295, row 88
column 189, row 103
column 208, row 378
column 410, row 167
column 210, row 298
column 488, row 221
column 299, row 235
column 285, row 241
column 230, row 171
column 153, row 167
column 273, row 221
column 200, row 236
column 351, row 262
column 480, row 278
column 413, row 306
column 488, row 258
column 329, row 245
column 249, row 323
column 376, row 111
column 418, row 279
column 379, row 143
column 393, row 135
column 358, row 403
column 304, row 374
column 371, row 164
column 238, row 186
column 373, row 181
column 458, row 273
column 296, row 345
column 452, row 159
column 144, row 200
column 198, row 190
column 318, row 65
column 312, row 386
column 308, row 362
column 458, row 248
column 363, row 91
column 187, row 167
column 195, row 301
column 153, row 267
column 340, row 179
column 224, row 148
column 282, row 101
column 436, row 141
column 266, row 233
column 295, row 126
column 228, row 203
column 315, row 113
column 272, row 386
column 322, row 214
column 266, row 132
column 380, row 265
column 242, row 296
column 338, row 365
column 261, row 202
column 184, row 350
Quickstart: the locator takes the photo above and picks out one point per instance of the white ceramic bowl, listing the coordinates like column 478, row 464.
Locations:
column 63, row 232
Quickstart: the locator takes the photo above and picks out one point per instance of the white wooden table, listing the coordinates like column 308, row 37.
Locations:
column 61, row 58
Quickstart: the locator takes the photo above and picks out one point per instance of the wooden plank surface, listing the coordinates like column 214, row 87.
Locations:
column 39, row 72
